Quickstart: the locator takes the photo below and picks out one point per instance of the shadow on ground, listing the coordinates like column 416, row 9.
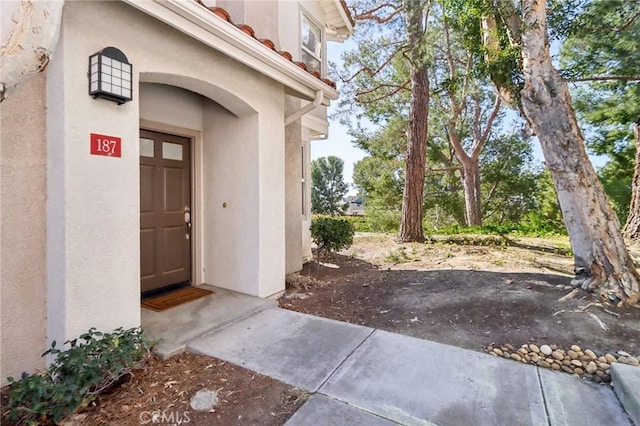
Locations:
column 466, row 308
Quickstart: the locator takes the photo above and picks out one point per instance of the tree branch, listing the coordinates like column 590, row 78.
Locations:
column 386, row 95
column 629, row 22
column 371, row 15
column 606, row 78
column 371, row 72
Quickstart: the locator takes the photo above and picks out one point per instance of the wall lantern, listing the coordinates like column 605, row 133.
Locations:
column 110, row 75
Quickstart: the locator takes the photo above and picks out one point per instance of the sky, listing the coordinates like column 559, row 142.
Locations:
column 339, row 143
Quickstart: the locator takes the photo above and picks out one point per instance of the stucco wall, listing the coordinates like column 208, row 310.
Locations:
column 22, row 229
column 94, row 201
column 293, row 169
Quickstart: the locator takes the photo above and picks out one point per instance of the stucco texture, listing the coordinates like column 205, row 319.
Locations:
column 22, row 229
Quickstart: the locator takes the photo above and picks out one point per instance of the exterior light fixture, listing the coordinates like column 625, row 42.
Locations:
column 110, row 76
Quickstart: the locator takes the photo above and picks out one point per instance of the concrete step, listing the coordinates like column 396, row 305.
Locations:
column 626, row 383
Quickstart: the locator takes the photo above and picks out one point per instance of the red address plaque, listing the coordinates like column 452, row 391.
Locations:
column 105, row 145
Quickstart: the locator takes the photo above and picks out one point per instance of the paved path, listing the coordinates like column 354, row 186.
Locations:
column 362, row 376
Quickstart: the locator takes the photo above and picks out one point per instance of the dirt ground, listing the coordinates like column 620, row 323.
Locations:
column 161, row 395
column 470, row 292
column 466, row 291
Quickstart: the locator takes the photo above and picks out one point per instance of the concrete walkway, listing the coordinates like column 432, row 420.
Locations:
column 362, row 376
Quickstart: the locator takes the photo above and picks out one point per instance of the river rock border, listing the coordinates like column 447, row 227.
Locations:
column 583, row 363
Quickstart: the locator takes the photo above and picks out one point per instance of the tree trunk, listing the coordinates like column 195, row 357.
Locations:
column 632, row 228
column 472, row 197
column 602, row 263
column 412, row 197
column 29, row 42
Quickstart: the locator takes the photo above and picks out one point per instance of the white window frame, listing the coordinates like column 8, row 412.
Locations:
column 304, row 49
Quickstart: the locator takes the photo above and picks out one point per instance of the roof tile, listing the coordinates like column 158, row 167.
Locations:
column 224, row 15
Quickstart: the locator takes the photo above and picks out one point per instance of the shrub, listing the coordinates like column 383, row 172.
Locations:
column 94, row 362
column 382, row 220
column 331, row 234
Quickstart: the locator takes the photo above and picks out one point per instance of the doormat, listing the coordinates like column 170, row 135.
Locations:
column 174, row 298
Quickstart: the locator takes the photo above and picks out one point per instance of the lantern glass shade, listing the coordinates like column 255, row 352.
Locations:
column 110, row 76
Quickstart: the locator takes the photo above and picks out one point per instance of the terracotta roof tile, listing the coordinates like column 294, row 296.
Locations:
column 224, row 15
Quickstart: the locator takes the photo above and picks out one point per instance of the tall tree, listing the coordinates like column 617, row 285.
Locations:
column 632, row 227
column 602, row 263
column 327, row 186
column 417, row 16
column 600, row 56
column 466, row 96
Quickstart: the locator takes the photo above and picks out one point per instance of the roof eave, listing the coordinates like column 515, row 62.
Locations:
column 198, row 23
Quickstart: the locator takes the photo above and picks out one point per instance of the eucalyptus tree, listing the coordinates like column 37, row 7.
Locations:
column 513, row 38
column 601, row 56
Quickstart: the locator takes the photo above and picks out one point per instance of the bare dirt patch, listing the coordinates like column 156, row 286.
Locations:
column 163, row 392
column 471, row 292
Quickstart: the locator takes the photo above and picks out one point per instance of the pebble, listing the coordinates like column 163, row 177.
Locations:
column 204, row 400
column 590, row 354
column 585, row 364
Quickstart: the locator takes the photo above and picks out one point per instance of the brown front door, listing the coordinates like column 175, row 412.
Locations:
column 165, row 210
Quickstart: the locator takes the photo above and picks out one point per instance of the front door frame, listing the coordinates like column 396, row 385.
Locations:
column 196, row 193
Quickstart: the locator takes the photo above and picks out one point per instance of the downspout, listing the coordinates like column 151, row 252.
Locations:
column 305, row 109
column 30, row 31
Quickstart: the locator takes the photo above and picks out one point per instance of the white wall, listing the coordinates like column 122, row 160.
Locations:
column 93, row 205
column 93, row 201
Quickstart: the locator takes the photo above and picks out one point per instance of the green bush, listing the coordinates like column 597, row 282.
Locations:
column 382, row 220
column 360, row 223
column 94, row 362
column 331, row 234
column 531, row 225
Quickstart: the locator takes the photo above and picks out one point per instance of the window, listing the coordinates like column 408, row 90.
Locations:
column 311, row 44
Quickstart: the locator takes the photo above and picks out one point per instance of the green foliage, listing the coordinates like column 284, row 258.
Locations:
column 331, row 234
column 94, row 362
column 602, row 40
column 532, row 225
column 359, row 223
column 327, row 186
column 383, row 219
